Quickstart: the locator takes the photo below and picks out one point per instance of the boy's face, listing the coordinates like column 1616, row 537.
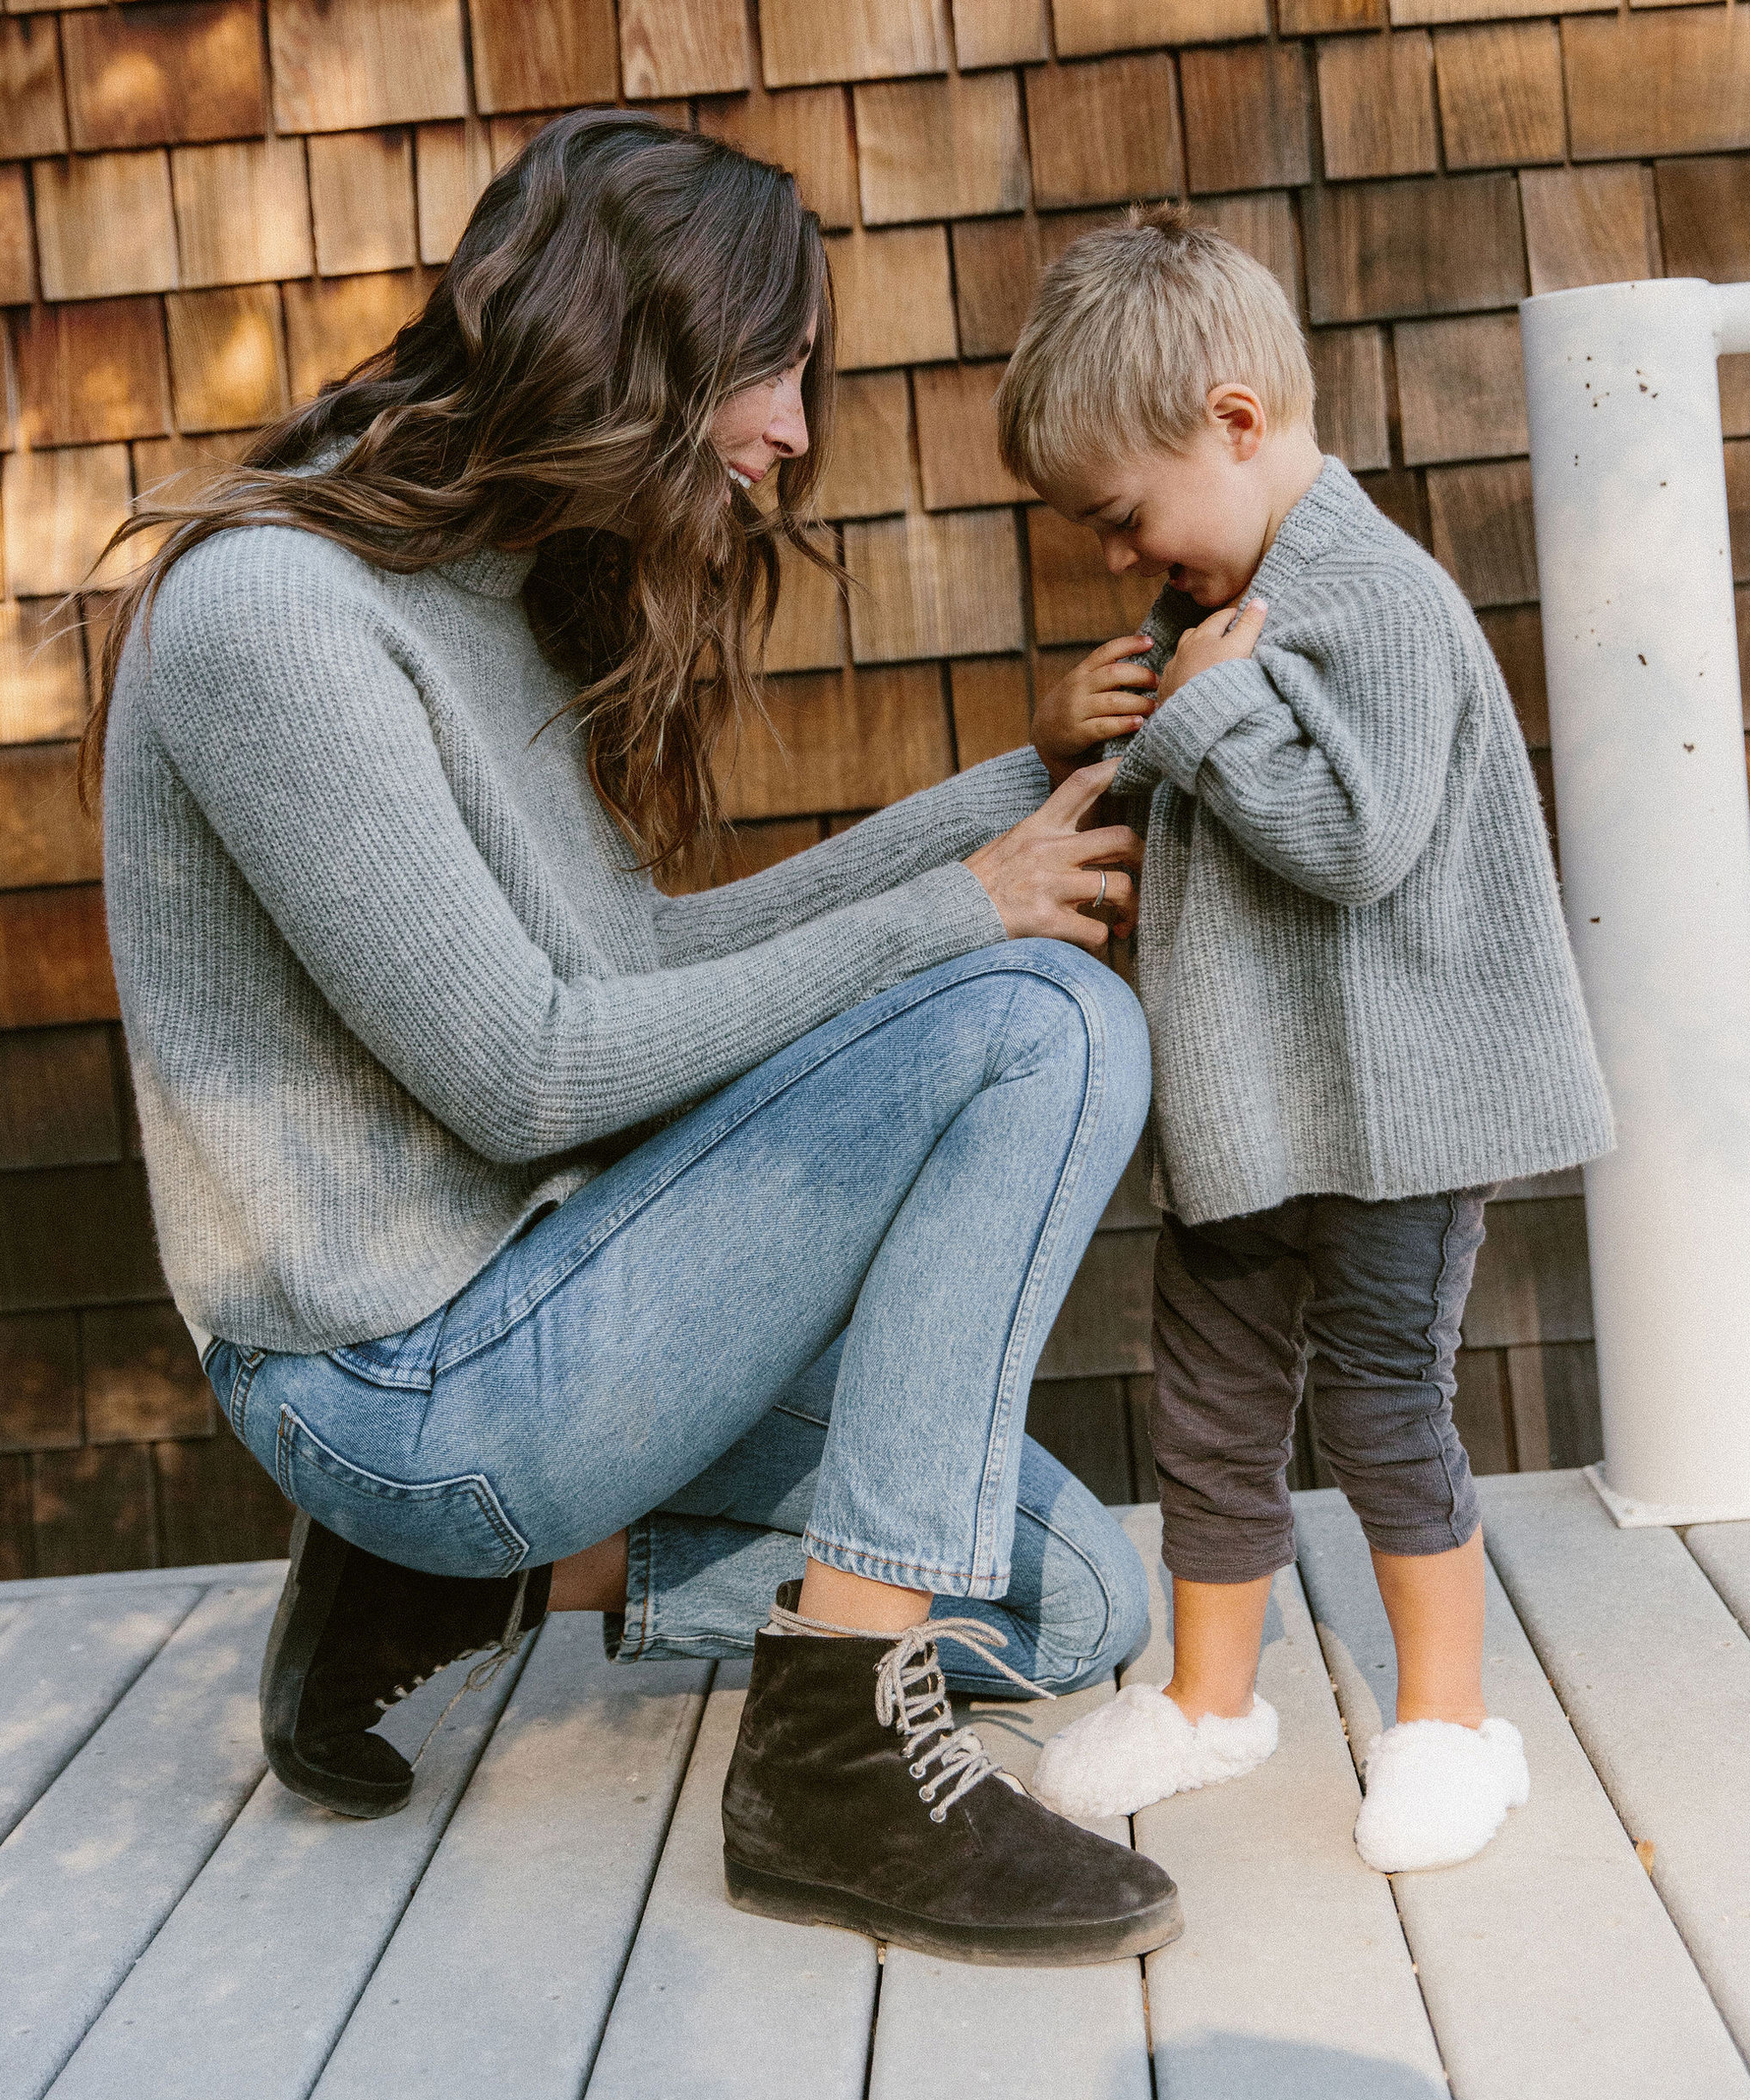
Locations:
column 1201, row 517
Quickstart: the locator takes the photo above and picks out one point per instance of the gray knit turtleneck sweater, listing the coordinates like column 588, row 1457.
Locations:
column 1351, row 951
column 388, row 984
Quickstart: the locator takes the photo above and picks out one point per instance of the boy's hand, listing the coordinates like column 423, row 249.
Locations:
column 1104, row 696
column 1229, row 631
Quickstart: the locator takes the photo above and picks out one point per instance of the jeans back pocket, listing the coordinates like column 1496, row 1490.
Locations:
column 450, row 1526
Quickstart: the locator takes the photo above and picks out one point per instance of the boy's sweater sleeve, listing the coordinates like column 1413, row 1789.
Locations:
column 1324, row 753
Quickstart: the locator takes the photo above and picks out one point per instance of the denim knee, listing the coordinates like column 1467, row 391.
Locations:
column 1047, row 976
column 1091, row 1587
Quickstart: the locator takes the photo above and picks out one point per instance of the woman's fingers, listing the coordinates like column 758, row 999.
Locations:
column 1115, row 843
column 1065, row 806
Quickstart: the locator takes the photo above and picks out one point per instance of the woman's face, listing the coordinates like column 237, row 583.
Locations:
column 763, row 424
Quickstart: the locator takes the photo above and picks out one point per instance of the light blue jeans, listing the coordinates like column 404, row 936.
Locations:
column 803, row 1319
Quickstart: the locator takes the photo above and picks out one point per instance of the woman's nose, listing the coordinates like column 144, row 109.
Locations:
column 788, row 430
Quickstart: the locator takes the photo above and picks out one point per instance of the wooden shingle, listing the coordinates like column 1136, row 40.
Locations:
column 1084, row 27
column 16, row 274
column 1515, row 634
column 948, row 148
column 54, row 957
column 330, row 325
column 1263, row 224
column 1461, row 388
column 104, row 225
column 1500, row 95
column 227, row 357
column 141, row 1377
column 1247, row 112
column 802, row 42
column 31, row 118
column 175, row 470
column 869, row 474
column 1704, row 217
column 348, row 65
column 1348, row 373
column 1376, row 105
column 1317, row 17
column 895, row 307
column 45, row 837
column 934, row 586
column 542, row 57
column 242, row 212
column 42, row 672
column 1104, row 132
column 1481, row 518
column 991, row 713
column 805, row 129
column 90, row 372
column 957, row 439
column 452, row 165
column 995, row 268
column 40, row 1388
column 1075, row 597
column 1378, row 249
column 839, row 741
column 361, row 201
column 165, row 74
column 1677, row 81
column 59, row 508
column 1435, row 11
column 999, row 32
column 681, row 47
column 806, row 633
column 1584, row 226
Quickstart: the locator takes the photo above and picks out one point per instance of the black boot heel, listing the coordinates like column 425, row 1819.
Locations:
column 354, row 1633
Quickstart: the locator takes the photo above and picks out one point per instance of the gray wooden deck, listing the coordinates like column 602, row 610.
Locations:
column 547, row 1918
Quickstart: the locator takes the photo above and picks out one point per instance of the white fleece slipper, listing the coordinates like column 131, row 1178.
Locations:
column 1436, row 1793
column 1138, row 1748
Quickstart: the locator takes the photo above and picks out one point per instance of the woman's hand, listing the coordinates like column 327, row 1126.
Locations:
column 1045, row 874
column 1106, row 694
column 1229, row 631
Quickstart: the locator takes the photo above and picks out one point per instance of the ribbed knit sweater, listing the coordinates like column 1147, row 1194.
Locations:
column 387, row 980
column 1350, row 946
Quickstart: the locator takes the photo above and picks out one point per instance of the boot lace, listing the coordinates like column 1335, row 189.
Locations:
column 482, row 1674
column 911, row 1697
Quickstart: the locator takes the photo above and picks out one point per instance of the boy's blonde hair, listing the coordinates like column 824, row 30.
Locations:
column 1131, row 328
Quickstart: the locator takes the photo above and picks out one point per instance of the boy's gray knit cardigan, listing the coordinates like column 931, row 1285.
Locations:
column 1351, row 951
column 389, row 985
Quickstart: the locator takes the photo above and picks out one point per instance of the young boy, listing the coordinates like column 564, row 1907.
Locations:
column 1358, row 985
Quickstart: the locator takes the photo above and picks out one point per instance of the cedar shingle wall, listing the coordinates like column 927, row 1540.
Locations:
column 208, row 206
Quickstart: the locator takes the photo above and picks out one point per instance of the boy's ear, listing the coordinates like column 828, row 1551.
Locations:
column 1239, row 416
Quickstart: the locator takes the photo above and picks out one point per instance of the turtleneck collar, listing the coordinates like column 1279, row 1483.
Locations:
column 489, row 572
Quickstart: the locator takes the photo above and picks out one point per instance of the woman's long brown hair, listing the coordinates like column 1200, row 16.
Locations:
column 616, row 284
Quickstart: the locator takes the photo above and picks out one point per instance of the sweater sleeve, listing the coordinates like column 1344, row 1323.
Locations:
column 1327, row 758
column 926, row 830
column 308, row 749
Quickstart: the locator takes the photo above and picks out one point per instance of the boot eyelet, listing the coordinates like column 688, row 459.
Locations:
column 938, row 1814
column 916, row 1771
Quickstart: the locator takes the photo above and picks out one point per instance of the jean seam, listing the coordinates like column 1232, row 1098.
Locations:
column 997, row 1447
column 237, row 1403
column 484, row 1338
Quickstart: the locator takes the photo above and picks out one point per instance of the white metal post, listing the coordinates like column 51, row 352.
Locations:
column 1629, row 490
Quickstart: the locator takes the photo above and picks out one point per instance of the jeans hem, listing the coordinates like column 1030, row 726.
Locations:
column 905, row 1574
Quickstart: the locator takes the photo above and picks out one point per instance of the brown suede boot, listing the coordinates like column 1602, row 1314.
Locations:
column 352, row 1635
column 853, row 1800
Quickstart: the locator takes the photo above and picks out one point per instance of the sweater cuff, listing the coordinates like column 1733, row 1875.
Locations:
column 1005, row 789
column 953, row 912
column 1174, row 741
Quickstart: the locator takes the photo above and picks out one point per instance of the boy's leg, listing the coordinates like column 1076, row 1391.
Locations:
column 1229, row 1367
column 1389, row 1285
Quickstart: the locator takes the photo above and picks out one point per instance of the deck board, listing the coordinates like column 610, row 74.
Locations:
column 1025, row 2033
column 269, row 1949
column 717, row 2004
column 1549, row 1966
column 174, row 1926
column 548, row 1860
column 1654, row 1672
column 1292, row 1981
column 92, row 1871
column 64, row 1664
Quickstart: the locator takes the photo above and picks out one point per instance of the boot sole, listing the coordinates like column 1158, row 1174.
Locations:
column 992, row 1946
column 316, row 1558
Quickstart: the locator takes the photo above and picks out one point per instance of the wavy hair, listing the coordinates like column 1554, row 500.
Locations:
column 617, row 283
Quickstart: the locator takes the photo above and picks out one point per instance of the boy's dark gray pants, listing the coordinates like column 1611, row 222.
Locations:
column 1378, row 1291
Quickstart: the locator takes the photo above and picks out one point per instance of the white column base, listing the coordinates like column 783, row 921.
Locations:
column 1632, row 1516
